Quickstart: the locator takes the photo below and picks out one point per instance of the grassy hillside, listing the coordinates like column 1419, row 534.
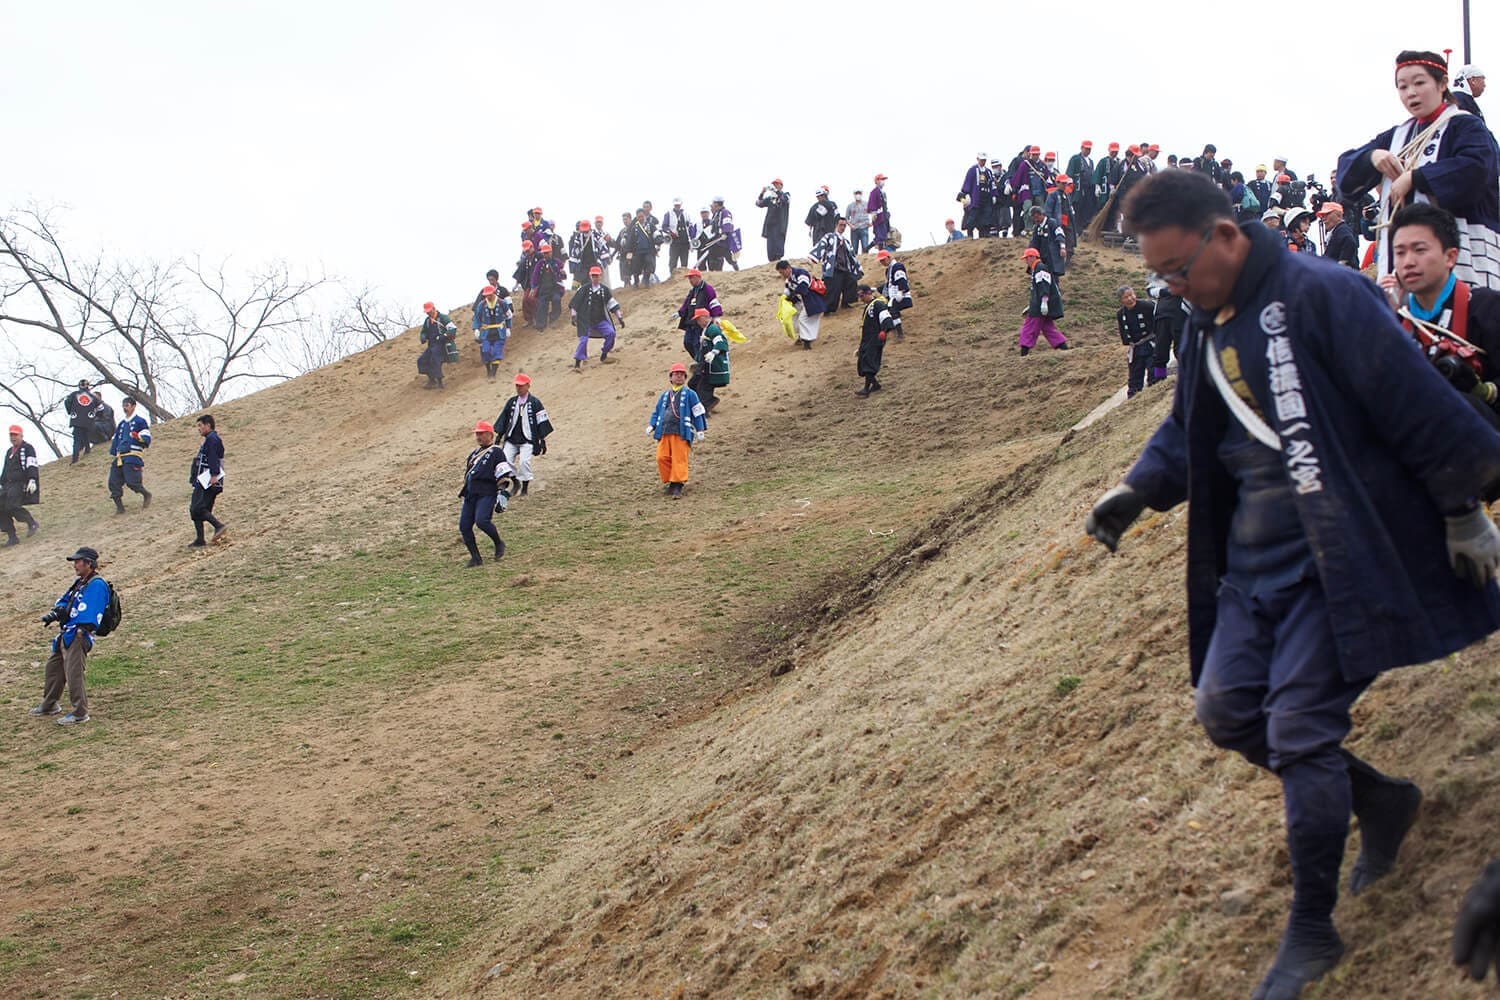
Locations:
column 861, row 716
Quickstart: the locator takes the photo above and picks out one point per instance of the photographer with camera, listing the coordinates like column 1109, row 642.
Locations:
column 78, row 612
column 1457, row 326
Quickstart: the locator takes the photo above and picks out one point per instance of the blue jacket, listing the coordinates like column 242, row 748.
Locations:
column 1376, row 444
column 84, row 607
column 692, row 418
column 129, row 447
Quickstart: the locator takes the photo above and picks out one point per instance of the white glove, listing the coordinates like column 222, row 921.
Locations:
column 703, row 435
column 31, row 486
column 709, row 357
column 1473, row 546
column 649, row 430
column 1045, row 308
column 502, row 502
column 452, row 328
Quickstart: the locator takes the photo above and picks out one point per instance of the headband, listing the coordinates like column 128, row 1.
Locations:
column 1424, row 62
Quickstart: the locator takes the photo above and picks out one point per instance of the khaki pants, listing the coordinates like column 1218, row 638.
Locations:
column 66, row 665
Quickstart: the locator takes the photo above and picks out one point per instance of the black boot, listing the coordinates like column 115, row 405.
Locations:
column 11, row 539
column 1063, row 346
column 869, row 388
column 145, row 499
column 31, row 528
column 119, row 505
column 524, row 483
column 499, row 547
column 1025, row 351
column 1386, row 808
column 1318, row 801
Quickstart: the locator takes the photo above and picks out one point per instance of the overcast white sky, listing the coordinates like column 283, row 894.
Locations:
column 400, row 143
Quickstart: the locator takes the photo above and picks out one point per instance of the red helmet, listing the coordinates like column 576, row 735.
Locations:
column 484, row 427
column 544, row 248
column 584, row 226
column 1283, row 178
column 525, row 244
column 537, row 210
column 487, row 291
column 881, row 177
column 886, row 254
column 1035, row 150
column 428, row 307
column 1088, row 144
column 678, row 367
column 523, row 379
column 1031, row 253
column 1114, row 147
column 594, row 270
column 693, row 272
column 700, row 313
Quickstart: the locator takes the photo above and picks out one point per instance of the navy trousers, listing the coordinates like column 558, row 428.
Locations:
column 478, row 511
column 1271, row 690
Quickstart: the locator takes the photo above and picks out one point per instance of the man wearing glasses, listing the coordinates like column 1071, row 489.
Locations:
column 1336, row 527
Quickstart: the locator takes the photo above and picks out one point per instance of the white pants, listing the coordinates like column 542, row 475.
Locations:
column 807, row 326
column 519, row 457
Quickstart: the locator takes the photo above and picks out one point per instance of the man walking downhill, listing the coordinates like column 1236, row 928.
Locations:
column 19, row 486
column 127, row 463
column 489, row 482
column 523, row 425
column 677, row 422
column 1336, row 528
column 207, row 479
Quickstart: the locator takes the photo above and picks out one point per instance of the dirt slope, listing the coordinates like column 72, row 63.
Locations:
column 330, row 762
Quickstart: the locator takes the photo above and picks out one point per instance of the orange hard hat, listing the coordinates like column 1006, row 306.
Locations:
column 700, row 313
column 883, row 255
column 678, row 367
column 693, row 272
column 1031, row 253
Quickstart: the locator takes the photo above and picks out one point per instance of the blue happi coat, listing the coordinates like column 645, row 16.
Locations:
column 692, row 418
column 1376, row 445
column 132, row 437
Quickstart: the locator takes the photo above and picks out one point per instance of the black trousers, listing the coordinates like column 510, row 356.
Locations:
column 12, row 511
column 841, row 290
column 201, row 508
column 121, row 476
column 677, row 254
column 775, row 247
column 1140, row 362
column 82, row 443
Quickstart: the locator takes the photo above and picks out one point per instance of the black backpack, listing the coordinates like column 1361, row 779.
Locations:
column 112, row 612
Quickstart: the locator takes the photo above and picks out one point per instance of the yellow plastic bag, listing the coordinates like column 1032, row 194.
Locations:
column 731, row 332
column 786, row 311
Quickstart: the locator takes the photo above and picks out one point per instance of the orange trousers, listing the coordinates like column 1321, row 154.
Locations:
column 672, row 458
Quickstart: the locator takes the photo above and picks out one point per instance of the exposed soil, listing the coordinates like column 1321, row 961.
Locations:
column 862, row 715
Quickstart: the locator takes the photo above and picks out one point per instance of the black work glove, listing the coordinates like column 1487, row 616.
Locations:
column 1457, row 371
column 1475, row 934
column 540, row 448
column 1112, row 514
column 50, row 617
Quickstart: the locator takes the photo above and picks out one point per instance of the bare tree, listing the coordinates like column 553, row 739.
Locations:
column 362, row 321
column 173, row 335
column 36, row 396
